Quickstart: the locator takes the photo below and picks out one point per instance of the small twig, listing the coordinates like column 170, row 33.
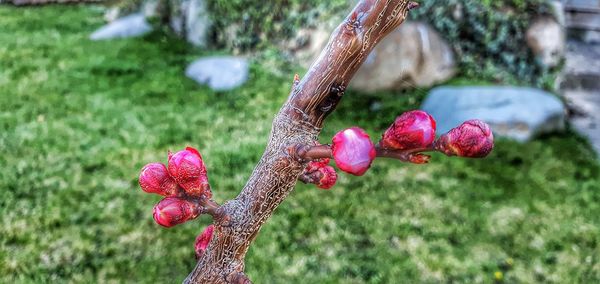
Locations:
column 213, row 209
column 404, row 155
column 310, row 153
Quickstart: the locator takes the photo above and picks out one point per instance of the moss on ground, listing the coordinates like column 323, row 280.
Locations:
column 78, row 119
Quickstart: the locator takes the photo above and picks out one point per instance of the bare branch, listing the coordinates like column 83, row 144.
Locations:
column 298, row 122
column 310, row 153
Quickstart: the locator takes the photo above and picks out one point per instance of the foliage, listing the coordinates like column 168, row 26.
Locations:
column 78, row 120
column 489, row 36
column 245, row 24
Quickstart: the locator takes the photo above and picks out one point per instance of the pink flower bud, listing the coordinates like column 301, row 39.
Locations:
column 411, row 130
column 324, row 161
column 173, row 210
column 155, row 178
column 188, row 170
column 203, row 240
column 328, row 178
column 472, row 139
column 353, row 151
column 316, row 165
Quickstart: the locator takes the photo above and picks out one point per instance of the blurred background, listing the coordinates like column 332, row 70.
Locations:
column 90, row 91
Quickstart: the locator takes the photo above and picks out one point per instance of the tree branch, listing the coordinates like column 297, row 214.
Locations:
column 298, row 122
column 213, row 209
column 309, row 153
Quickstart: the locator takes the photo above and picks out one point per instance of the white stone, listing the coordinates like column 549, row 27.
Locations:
column 220, row 73
column 129, row 26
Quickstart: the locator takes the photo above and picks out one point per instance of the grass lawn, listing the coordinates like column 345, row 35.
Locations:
column 78, row 119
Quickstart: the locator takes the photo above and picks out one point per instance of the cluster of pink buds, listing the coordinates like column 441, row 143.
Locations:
column 188, row 170
column 320, row 173
column 182, row 183
column 414, row 132
column 411, row 134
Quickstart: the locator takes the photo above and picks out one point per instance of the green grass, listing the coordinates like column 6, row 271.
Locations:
column 78, row 119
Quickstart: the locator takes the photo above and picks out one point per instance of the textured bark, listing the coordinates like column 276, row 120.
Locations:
column 298, row 122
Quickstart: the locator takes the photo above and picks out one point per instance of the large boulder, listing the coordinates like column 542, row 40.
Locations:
column 129, row 26
column 546, row 38
column 220, row 73
column 414, row 55
column 513, row 112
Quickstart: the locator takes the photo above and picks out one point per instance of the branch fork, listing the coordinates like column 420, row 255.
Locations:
column 217, row 212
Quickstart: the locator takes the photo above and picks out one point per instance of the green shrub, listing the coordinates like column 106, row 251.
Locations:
column 489, row 36
column 248, row 24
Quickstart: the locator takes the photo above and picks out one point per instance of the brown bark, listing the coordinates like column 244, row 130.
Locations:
column 310, row 153
column 298, row 122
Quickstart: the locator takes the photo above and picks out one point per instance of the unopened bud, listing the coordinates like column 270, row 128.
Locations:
column 411, row 130
column 155, row 178
column 328, row 177
column 472, row 139
column 353, row 151
column 203, row 240
column 316, row 165
column 173, row 210
column 188, row 170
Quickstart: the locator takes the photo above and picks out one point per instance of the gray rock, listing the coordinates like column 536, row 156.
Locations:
column 220, row 73
column 513, row 112
column 128, row 26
